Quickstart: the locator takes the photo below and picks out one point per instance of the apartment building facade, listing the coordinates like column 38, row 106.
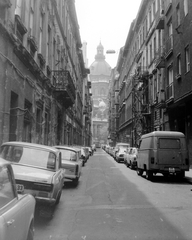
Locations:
column 42, row 74
column 155, row 73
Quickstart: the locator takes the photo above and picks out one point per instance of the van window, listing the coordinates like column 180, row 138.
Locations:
column 168, row 143
column 145, row 143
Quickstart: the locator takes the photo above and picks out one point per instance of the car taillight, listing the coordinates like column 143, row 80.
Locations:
column 43, row 187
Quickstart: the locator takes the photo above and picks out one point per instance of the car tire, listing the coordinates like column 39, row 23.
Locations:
column 149, row 175
column 30, row 235
column 130, row 165
column 139, row 172
column 75, row 181
column 58, row 198
column 180, row 175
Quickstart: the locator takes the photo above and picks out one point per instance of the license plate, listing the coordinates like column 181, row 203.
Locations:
column 20, row 188
column 172, row 170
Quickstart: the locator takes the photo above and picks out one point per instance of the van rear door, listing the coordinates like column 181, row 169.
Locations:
column 169, row 152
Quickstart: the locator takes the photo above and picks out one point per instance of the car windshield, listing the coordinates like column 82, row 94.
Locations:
column 29, row 156
column 123, row 148
column 68, row 155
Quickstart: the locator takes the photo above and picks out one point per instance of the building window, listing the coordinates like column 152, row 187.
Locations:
column 40, row 32
column 179, row 64
column 186, row 9
column 155, row 115
column 169, row 90
column 178, row 14
column 13, row 117
column 187, row 59
column 154, row 46
column 27, row 125
column 151, row 53
column 38, row 121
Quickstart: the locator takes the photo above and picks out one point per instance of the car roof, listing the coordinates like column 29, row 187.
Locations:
column 67, row 147
column 122, row 144
column 163, row 134
column 31, row 145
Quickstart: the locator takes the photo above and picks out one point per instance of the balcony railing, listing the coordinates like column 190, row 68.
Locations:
column 64, row 87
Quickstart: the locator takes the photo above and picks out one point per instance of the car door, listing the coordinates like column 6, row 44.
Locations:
column 11, row 211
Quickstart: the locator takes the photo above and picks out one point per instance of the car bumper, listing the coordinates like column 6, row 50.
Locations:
column 48, row 201
column 120, row 159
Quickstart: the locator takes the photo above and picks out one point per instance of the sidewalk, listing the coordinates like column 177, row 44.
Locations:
column 188, row 175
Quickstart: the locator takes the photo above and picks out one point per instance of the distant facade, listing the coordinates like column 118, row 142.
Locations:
column 42, row 74
column 100, row 72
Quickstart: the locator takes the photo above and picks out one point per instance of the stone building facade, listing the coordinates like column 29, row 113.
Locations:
column 42, row 74
column 155, row 88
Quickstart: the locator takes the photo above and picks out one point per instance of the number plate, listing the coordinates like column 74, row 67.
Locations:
column 171, row 170
column 20, row 188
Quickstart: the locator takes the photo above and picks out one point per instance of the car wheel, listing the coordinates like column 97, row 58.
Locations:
column 139, row 172
column 75, row 181
column 180, row 175
column 130, row 164
column 58, row 198
column 149, row 175
column 30, row 235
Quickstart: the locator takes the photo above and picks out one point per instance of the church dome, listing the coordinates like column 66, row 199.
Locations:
column 100, row 66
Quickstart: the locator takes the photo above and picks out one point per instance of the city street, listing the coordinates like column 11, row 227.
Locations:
column 111, row 202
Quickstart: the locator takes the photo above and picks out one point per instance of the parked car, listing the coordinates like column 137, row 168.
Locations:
column 37, row 170
column 86, row 150
column 71, row 162
column 90, row 151
column 122, row 146
column 163, row 152
column 120, row 150
column 16, row 211
column 130, row 158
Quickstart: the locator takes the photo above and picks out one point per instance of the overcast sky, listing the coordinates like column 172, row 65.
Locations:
column 107, row 21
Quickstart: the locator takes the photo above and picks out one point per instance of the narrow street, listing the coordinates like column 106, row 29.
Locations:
column 112, row 203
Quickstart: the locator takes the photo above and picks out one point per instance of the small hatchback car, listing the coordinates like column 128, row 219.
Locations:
column 71, row 162
column 37, row 170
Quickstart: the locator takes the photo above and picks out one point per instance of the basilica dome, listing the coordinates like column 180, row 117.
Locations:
column 100, row 66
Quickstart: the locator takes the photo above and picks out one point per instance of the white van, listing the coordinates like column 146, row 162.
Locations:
column 163, row 152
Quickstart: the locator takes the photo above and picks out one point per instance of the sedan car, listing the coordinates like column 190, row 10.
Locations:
column 37, row 170
column 71, row 162
column 16, row 211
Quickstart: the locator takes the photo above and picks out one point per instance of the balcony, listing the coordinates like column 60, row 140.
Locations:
column 160, row 22
column 160, row 58
column 33, row 43
column 64, row 87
